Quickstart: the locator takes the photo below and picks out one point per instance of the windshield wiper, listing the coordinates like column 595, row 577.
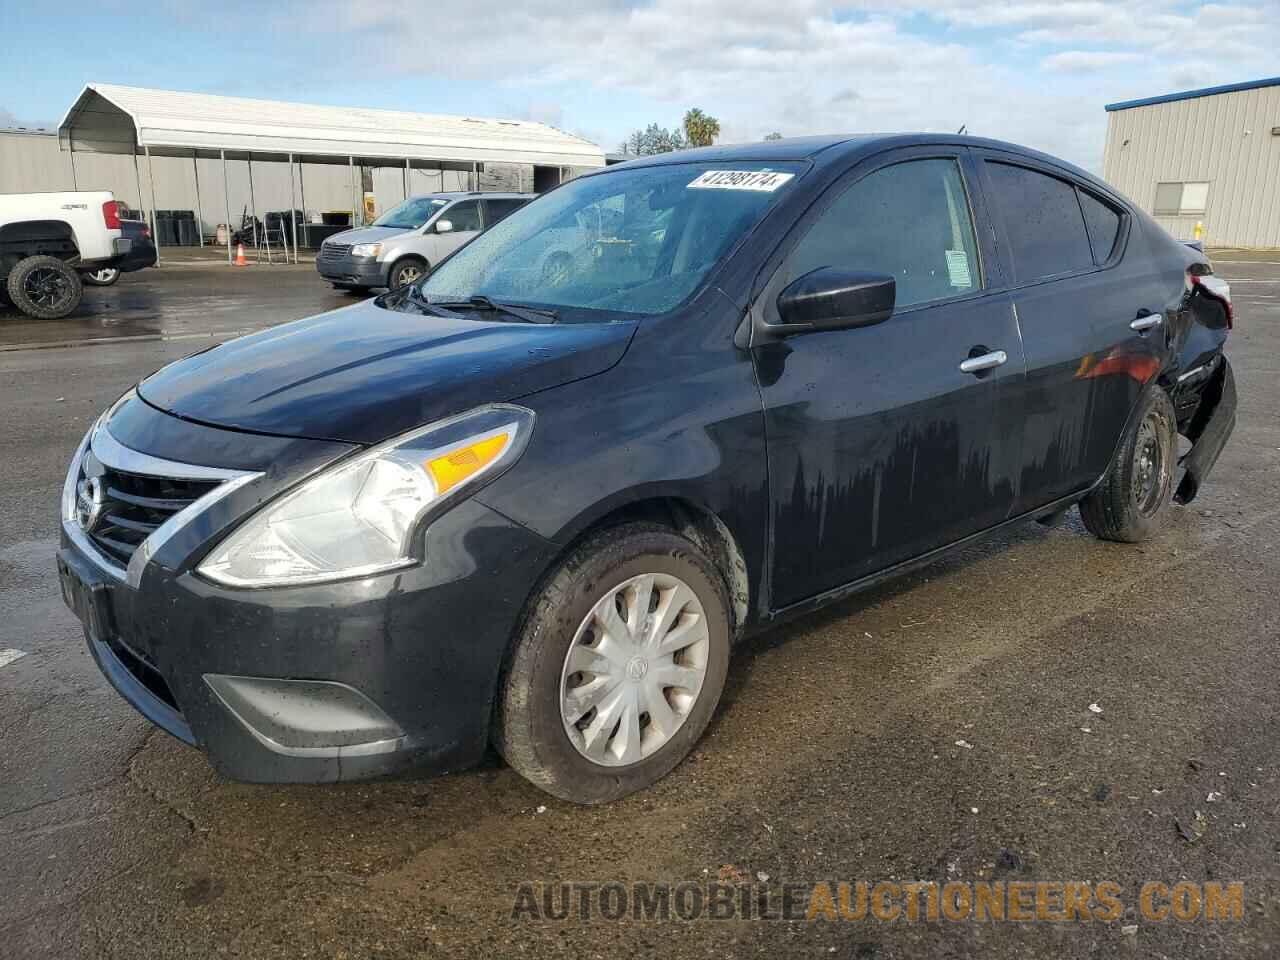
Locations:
column 481, row 302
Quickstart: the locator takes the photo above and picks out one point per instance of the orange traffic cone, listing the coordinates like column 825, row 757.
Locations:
column 240, row 260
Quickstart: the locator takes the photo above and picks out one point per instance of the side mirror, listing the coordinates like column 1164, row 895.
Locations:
column 833, row 298
column 444, row 226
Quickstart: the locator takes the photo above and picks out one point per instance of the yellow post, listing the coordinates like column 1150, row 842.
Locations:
column 1198, row 233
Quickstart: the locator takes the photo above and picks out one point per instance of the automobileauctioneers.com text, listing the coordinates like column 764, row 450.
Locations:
column 887, row 901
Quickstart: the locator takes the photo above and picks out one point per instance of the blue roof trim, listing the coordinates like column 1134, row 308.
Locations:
column 1192, row 94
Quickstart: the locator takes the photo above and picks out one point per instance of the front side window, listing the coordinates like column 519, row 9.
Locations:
column 464, row 215
column 411, row 214
column 1042, row 220
column 910, row 220
column 628, row 241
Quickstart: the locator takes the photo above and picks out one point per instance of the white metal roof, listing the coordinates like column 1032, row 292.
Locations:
column 101, row 118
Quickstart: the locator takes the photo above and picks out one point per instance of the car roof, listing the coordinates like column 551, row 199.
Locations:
column 835, row 149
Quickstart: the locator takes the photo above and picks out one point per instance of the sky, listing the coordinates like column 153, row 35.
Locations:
column 1035, row 72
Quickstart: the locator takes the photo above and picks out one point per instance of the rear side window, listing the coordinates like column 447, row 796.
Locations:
column 496, row 210
column 1042, row 221
column 1104, row 225
column 910, row 220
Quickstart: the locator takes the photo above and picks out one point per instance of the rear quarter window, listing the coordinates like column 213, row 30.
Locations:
column 1104, row 225
column 1042, row 220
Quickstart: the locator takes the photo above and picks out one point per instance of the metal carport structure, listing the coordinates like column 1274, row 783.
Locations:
column 107, row 118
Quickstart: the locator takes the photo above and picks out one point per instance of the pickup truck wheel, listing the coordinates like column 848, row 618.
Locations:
column 618, row 666
column 44, row 287
column 1132, row 501
column 405, row 271
column 101, row 278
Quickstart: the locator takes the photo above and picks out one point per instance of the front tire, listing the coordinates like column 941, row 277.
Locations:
column 1132, row 501
column 44, row 287
column 618, row 666
column 405, row 271
column 105, row 277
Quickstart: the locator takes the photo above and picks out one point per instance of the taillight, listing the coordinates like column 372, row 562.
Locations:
column 1215, row 288
column 111, row 214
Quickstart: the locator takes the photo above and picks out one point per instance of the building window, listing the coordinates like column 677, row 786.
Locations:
column 1180, row 199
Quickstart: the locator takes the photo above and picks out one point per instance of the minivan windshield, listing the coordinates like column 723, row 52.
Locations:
column 411, row 214
column 627, row 241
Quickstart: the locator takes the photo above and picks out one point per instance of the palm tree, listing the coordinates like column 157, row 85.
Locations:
column 700, row 129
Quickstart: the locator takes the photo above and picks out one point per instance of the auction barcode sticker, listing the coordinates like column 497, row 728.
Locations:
column 761, row 180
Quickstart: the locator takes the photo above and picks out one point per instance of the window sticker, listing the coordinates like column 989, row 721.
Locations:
column 763, row 181
column 958, row 268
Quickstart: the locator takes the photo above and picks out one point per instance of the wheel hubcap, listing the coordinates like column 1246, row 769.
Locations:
column 408, row 275
column 46, row 287
column 635, row 669
column 1151, row 464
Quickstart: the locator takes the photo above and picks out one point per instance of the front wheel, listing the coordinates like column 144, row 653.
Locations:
column 102, row 278
column 618, row 667
column 1132, row 501
column 404, row 272
column 44, row 287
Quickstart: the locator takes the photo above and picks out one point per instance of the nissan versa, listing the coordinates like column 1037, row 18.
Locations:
column 537, row 508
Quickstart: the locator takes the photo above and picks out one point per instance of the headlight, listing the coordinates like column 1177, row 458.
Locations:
column 359, row 517
column 366, row 250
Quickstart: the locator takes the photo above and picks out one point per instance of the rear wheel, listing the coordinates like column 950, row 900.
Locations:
column 1132, row 501
column 44, row 287
column 618, row 667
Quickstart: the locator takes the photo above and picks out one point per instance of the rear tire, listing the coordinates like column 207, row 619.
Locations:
column 1132, row 502
column 653, row 673
column 44, row 287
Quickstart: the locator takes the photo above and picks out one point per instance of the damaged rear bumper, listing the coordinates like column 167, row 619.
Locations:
column 1208, row 431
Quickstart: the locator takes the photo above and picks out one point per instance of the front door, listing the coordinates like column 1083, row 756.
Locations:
column 880, row 447
column 464, row 219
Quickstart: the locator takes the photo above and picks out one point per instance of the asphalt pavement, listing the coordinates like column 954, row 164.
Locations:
column 1042, row 707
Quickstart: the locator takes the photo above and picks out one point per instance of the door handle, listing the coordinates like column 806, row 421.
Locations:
column 1142, row 323
column 984, row 362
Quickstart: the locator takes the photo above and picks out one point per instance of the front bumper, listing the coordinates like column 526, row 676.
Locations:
column 357, row 271
column 326, row 682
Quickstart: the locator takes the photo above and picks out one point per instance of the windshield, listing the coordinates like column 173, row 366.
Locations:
column 630, row 241
column 411, row 214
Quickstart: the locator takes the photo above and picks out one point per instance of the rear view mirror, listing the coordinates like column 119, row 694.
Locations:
column 444, row 226
column 833, row 298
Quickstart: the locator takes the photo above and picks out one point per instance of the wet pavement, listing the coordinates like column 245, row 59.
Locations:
column 936, row 729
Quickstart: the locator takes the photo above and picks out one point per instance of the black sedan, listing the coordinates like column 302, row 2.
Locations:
column 539, row 508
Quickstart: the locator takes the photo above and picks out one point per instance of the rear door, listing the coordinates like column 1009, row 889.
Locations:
column 880, row 447
column 1082, row 281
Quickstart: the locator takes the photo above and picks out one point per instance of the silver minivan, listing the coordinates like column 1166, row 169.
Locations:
column 408, row 240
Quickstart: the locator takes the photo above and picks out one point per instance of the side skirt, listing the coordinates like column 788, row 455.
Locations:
column 811, row 604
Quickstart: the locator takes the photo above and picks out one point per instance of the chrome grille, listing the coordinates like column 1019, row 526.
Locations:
column 334, row 251
column 119, row 510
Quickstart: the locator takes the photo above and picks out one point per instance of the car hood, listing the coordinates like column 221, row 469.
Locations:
column 363, row 374
column 366, row 235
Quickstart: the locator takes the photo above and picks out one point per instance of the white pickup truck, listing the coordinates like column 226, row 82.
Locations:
column 48, row 239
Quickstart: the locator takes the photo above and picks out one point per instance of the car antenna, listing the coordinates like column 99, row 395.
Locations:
column 963, row 128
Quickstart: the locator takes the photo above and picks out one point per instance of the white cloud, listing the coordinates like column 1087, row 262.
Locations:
column 1034, row 72
column 1081, row 61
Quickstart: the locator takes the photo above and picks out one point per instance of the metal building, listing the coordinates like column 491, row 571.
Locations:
column 220, row 157
column 1208, row 157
